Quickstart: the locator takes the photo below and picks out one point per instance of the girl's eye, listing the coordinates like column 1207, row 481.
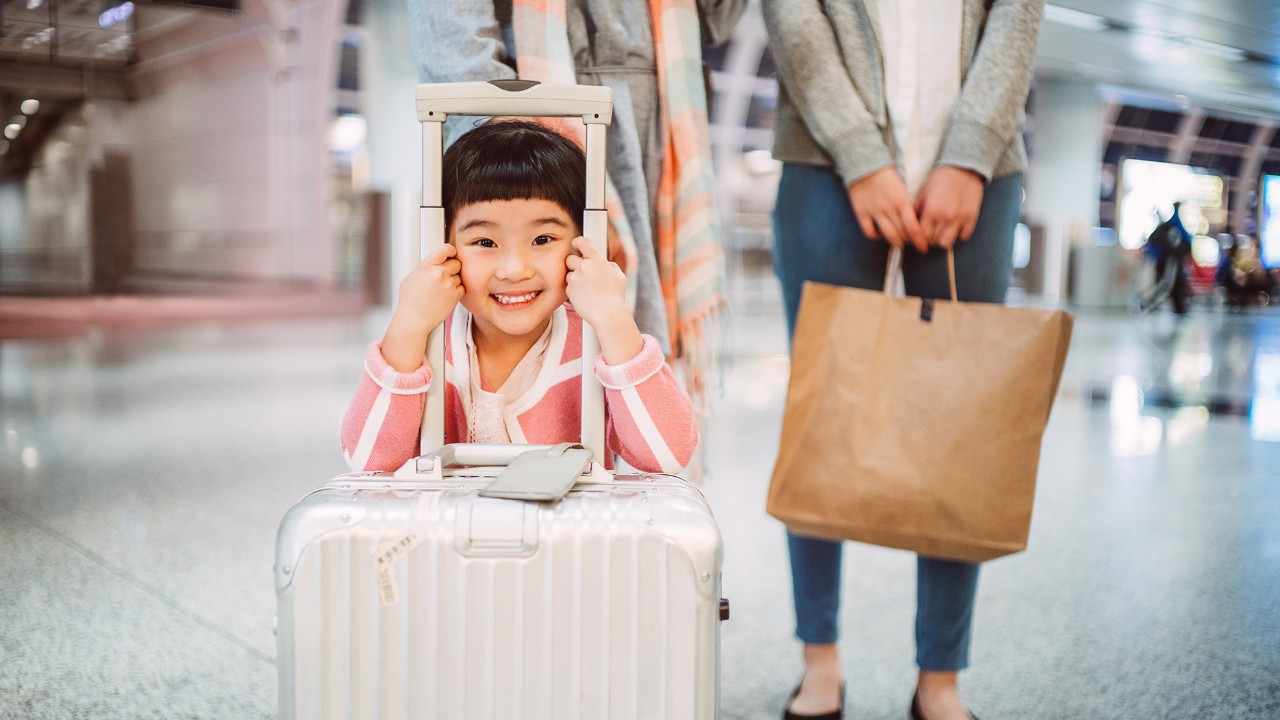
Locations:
column 543, row 240
column 484, row 242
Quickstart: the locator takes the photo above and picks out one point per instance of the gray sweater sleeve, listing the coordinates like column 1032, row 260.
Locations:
column 814, row 77
column 457, row 41
column 719, row 17
column 989, row 110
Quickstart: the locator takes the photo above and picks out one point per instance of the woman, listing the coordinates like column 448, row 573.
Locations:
column 899, row 126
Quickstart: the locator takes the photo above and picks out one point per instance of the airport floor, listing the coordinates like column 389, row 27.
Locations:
column 144, row 469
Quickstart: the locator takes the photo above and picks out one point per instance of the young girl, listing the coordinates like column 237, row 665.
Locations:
column 514, row 196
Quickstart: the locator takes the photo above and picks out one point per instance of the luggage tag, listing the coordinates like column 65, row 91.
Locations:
column 545, row 475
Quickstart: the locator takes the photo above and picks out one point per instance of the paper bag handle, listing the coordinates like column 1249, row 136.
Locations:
column 893, row 270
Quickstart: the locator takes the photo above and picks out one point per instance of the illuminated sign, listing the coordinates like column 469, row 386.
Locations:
column 1269, row 223
column 1149, row 189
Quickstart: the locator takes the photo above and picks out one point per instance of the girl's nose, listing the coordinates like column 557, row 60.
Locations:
column 514, row 265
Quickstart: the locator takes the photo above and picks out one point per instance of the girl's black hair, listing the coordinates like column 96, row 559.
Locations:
column 514, row 160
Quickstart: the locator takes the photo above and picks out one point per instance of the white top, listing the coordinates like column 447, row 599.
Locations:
column 921, row 44
column 489, row 409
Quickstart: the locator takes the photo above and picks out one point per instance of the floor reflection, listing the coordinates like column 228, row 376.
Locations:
column 1213, row 364
column 143, row 476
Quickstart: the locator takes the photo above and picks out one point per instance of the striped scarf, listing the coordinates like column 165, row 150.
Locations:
column 687, row 227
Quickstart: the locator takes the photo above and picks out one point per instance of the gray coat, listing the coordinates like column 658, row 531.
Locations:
column 612, row 45
column 831, row 100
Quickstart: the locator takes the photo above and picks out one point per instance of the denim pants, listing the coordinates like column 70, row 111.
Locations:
column 816, row 237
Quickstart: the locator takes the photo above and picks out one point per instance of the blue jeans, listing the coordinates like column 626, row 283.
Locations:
column 816, row 237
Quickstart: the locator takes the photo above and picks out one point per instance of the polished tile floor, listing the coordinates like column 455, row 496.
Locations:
column 143, row 472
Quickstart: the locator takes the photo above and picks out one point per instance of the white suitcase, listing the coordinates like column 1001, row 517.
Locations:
column 411, row 595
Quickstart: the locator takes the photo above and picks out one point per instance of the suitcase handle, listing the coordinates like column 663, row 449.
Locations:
column 431, row 465
column 472, row 454
column 594, row 104
column 520, row 98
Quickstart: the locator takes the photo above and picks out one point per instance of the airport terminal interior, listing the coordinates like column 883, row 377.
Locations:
column 206, row 207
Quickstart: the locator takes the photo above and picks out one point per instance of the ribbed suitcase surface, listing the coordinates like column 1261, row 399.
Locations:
column 603, row 605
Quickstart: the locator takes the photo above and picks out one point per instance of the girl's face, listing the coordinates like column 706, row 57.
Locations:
column 513, row 264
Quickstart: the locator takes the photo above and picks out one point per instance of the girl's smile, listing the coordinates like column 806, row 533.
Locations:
column 513, row 301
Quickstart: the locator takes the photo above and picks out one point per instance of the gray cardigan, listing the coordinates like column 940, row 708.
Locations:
column 831, row 100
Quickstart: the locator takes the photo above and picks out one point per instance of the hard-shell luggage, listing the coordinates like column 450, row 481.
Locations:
column 417, row 594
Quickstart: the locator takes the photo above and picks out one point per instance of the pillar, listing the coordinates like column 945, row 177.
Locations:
column 1062, row 181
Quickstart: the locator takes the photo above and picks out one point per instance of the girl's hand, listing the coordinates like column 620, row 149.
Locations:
column 428, row 295
column 598, row 290
column 948, row 205
column 596, row 287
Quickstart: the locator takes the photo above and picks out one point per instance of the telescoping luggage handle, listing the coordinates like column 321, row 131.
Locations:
column 516, row 98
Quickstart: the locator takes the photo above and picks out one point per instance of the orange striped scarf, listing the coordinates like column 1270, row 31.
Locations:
column 687, row 229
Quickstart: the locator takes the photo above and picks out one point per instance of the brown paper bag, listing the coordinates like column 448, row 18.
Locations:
column 916, row 424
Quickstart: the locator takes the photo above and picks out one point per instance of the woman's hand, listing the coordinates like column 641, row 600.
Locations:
column 883, row 207
column 598, row 290
column 948, row 205
column 428, row 295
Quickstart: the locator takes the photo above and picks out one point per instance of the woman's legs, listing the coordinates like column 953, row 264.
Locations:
column 945, row 595
column 946, row 590
column 816, row 238
column 815, row 586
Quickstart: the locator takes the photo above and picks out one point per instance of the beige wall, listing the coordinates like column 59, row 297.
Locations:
column 227, row 155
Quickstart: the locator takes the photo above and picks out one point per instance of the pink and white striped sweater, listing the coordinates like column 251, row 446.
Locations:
column 649, row 418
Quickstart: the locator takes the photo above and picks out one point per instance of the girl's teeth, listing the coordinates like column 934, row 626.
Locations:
column 514, row 299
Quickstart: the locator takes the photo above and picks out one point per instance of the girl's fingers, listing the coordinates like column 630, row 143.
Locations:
column 440, row 254
column 586, row 248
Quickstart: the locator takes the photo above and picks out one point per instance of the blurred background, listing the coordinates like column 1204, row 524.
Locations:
column 238, row 145
column 206, row 206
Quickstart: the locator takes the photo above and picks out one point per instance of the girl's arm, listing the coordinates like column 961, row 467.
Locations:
column 381, row 427
column 380, row 430
column 650, row 416
column 651, row 421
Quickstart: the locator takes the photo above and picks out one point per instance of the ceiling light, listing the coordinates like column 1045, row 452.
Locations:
column 117, row 14
column 4, row 146
column 1152, row 32
column 19, row 120
column 347, row 133
column 33, row 4
column 11, row 131
column 30, row 106
column 1074, row 18
column 1217, row 49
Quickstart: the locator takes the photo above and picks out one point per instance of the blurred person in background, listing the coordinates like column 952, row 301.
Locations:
column 1242, row 274
column 1168, row 247
column 899, row 124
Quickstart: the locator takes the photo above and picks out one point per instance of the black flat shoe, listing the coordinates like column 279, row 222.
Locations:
column 917, row 715
column 837, row 714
